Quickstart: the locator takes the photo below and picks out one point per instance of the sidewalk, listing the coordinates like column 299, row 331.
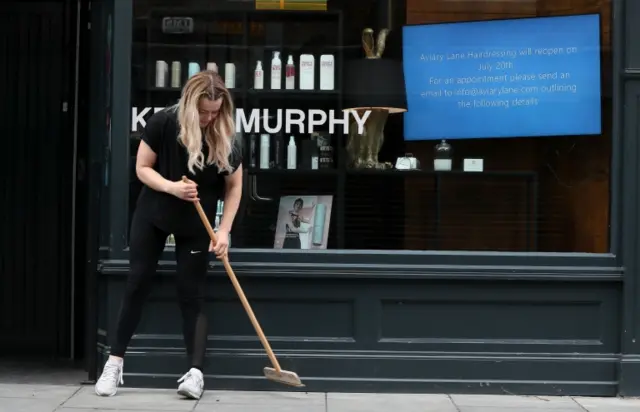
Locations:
column 51, row 398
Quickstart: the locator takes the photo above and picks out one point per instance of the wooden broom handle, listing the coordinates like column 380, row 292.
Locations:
column 238, row 288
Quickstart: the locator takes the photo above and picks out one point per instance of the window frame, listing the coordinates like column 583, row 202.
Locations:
column 465, row 263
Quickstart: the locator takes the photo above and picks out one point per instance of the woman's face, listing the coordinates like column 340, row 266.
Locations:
column 208, row 110
column 297, row 206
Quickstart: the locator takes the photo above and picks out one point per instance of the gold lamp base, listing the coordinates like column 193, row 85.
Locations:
column 363, row 149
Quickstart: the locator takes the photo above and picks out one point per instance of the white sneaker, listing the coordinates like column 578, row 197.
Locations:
column 111, row 377
column 191, row 384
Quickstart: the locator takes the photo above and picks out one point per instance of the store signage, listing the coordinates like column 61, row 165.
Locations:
column 286, row 119
column 138, row 116
column 275, row 121
column 177, row 25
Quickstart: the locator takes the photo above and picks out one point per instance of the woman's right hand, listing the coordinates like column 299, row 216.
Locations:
column 185, row 190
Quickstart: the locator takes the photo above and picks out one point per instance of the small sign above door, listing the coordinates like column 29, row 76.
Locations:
column 177, row 25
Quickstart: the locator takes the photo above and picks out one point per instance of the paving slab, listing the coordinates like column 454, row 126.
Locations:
column 103, row 410
column 521, row 403
column 372, row 402
column 131, row 399
column 66, row 398
column 258, row 397
column 577, row 408
column 609, row 404
column 202, row 407
column 232, row 401
column 52, row 392
column 28, row 405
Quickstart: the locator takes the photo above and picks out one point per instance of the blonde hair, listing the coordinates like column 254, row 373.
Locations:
column 219, row 135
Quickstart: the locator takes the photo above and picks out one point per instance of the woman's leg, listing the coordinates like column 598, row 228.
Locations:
column 192, row 255
column 146, row 243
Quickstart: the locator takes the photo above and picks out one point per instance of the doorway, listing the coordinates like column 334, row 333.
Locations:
column 38, row 274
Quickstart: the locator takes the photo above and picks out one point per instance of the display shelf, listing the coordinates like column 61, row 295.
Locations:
column 431, row 172
column 292, row 172
column 293, row 94
column 250, row 36
column 236, row 93
column 190, row 45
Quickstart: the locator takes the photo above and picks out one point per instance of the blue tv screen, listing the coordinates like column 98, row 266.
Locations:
column 503, row 78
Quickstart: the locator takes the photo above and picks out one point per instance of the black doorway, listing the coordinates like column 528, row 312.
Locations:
column 37, row 161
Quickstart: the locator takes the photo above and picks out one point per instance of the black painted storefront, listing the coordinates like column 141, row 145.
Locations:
column 387, row 321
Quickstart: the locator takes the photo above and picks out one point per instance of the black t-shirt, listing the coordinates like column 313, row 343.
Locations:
column 166, row 211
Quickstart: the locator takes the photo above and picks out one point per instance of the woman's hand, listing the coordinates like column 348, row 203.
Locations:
column 221, row 247
column 185, row 190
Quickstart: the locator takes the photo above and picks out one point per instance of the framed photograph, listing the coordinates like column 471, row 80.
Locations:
column 303, row 222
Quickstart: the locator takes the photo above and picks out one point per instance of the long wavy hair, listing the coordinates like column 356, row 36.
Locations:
column 219, row 135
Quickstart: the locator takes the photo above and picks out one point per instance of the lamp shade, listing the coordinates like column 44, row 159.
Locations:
column 375, row 84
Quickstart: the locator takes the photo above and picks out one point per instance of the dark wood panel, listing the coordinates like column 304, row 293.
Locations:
column 392, row 335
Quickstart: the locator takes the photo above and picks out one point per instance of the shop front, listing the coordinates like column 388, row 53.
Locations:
column 486, row 242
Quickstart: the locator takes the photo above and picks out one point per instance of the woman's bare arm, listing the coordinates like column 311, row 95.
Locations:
column 233, row 194
column 145, row 160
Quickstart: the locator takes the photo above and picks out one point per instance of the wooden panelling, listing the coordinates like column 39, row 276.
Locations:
column 573, row 172
column 383, row 335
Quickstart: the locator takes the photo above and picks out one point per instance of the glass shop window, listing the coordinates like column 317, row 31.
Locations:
column 360, row 141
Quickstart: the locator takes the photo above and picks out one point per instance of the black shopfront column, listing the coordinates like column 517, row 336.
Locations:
column 627, row 47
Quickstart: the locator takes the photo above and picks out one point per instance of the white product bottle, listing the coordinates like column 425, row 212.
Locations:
column 162, row 69
column 307, row 72
column 194, row 68
column 212, row 66
column 327, row 72
column 258, row 77
column 175, row 74
column 290, row 74
column 292, row 150
column 276, row 71
column 264, row 151
column 230, row 75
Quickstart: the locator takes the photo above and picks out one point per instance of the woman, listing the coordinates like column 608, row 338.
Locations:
column 194, row 138
column 297, row 227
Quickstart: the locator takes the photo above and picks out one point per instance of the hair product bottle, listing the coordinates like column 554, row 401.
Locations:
column 175, row 74
column 212, row 66
column 291, row 154
column 253, row 150
column 307, row 71
column 194, row 68
column 276, row 71
column 315, row 155
column 318, row 224
column 327, row 72
column 230, row 75
column 264, row 151
column 290, row 74
column 162, row 69
column 258, row 77
column 278, row 151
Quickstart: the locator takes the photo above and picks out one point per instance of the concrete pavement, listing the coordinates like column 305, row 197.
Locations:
column 73, row 398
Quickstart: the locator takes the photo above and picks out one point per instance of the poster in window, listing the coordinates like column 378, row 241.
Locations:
column 303, row 222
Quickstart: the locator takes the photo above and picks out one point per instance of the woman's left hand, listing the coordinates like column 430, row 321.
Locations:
column 222, row 245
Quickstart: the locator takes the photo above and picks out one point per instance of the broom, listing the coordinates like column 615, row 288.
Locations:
column 276, row 373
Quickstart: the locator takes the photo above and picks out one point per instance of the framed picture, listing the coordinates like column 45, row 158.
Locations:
column 303, row 222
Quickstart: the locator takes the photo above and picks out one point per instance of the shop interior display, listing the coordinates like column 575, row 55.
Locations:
column 276, row 63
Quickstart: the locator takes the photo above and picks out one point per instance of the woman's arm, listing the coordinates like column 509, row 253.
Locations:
column 233, row 193
column 145, row 160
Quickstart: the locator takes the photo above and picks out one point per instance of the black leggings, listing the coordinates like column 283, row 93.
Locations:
column 146, row 243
